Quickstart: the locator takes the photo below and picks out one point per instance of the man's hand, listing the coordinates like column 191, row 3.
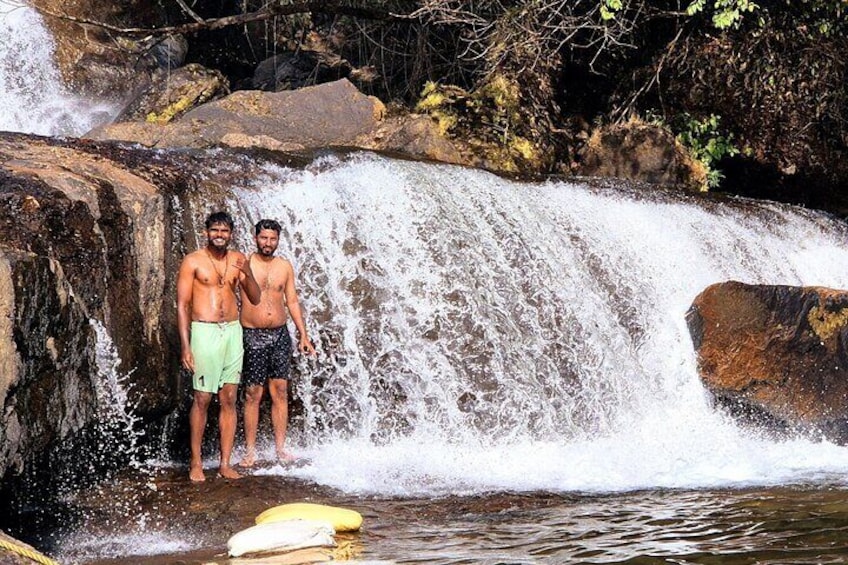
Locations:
column 243, row 265
column 188, row 360
column 305, row 346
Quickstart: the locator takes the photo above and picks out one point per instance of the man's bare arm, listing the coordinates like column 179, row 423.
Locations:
column 185, row 285
column 304, row 345
column 247, row 280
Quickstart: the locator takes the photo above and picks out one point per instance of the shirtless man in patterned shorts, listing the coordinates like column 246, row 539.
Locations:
column 267, row 344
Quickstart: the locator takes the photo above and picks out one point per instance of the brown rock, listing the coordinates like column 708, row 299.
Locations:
column 172, row 93
column 331, row 114
column 775, row 354
column 85, row 238
column 414, row 134
column 640, row 152
column 93, row 234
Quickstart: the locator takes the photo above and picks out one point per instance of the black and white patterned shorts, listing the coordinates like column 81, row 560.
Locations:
column 267, row 355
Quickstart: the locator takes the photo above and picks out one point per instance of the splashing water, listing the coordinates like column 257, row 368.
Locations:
column 115, row 412
column 32, row 95
column 478, row 334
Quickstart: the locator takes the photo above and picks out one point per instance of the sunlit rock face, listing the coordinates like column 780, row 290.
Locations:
column 334, row 114
column 775, row 354
column 84, row 238
column 640, row 152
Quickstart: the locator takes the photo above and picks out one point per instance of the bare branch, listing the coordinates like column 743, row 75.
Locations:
column 269, row 11
column 189, row 11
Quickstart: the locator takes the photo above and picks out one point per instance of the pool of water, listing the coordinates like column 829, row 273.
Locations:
column 163, row 519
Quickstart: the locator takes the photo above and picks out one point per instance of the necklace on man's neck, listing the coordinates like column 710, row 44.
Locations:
column 217, row 272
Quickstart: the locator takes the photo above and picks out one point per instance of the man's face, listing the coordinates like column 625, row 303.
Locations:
column 218, row 236
column 267, row 242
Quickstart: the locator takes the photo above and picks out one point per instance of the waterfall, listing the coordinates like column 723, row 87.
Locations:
column 32, row 95
column 481, row 334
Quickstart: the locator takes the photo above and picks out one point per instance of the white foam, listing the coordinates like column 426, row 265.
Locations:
column 85, row 546
column 494, row 335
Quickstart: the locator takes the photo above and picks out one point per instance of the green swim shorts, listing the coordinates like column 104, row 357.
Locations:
column 218, row 351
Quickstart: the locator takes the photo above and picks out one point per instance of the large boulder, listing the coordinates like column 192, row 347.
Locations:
column 640, row 152
column 775, row 355
column 331, row 114
column 334, row 114
column 85, row 243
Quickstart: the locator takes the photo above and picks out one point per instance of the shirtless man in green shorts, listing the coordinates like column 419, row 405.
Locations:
column 211, row 335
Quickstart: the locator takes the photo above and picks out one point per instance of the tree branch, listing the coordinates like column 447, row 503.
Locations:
column 270, row 10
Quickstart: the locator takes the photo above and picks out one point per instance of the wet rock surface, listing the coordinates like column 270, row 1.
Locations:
column 164, row 505
column 775, row 355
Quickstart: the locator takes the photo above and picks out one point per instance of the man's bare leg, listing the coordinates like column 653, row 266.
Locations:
column 227, row 422
column 280, row 416
column 252, row 400
column 197, row 425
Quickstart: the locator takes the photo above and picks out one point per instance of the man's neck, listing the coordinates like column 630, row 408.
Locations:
column 263, row 257
column 216, row 252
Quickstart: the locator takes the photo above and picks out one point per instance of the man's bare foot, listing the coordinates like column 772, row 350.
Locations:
column 228, row 473
column 286, row 456
column 195, row 473
column 249, row 459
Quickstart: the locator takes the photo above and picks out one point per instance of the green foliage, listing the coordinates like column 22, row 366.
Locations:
column 726, row 13
column 707, row 144
column 827, row 17
column 488, row 118
column 609, row 8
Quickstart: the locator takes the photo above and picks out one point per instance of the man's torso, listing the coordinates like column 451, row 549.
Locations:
column 272, row 277
column 213, row 296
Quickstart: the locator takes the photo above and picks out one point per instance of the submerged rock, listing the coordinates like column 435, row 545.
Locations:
column 775, row 355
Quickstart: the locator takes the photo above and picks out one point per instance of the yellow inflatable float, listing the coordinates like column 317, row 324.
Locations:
column 342, row 519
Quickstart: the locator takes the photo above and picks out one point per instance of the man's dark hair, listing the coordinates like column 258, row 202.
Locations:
column 219, row 218
column 268, row 225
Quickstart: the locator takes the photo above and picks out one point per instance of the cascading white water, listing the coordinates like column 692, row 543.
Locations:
column 113, row 406
column 33, row 98
column 480, row 334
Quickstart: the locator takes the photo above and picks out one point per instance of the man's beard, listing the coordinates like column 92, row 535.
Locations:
column 266, row 251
